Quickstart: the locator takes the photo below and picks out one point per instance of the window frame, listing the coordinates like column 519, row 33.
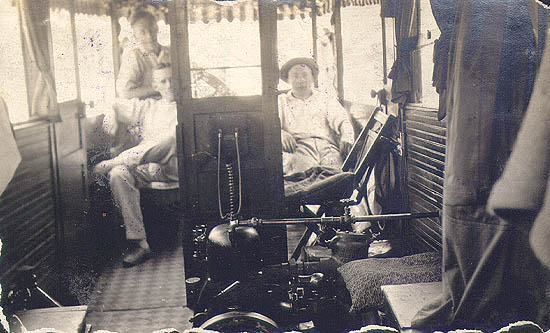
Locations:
column 75, row 55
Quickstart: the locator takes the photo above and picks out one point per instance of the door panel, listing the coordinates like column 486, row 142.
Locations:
column 73, row 181
column 208, row 125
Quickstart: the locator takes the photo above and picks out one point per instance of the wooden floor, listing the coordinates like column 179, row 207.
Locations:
column 144, row 298
column 150, row 296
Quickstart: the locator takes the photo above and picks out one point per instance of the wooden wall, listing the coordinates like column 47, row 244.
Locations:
column 425, row 158
column 28, row 209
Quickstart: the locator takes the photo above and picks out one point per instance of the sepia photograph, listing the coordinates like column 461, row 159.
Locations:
column 316, row 166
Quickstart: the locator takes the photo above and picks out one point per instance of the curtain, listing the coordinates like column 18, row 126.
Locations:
column 489, row 273
column 406, row 36
column 44, row 97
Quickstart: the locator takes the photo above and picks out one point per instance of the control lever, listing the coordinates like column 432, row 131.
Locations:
column 312, row 279
column 227, row 289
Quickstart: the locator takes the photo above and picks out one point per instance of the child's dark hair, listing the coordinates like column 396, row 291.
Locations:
column 143, row 15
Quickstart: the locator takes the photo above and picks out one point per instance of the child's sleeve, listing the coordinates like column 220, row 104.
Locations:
column 130, row 75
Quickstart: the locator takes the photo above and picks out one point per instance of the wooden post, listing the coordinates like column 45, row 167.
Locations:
column 115, row 29
column 384, row 49
column 75, row 50
column 339, row 49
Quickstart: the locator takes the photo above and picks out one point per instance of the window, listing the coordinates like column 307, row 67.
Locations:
column 429, row 32
column 14, row 89
column 95, row 59
column 63, row 55
column 362, row 52
column 230, row 69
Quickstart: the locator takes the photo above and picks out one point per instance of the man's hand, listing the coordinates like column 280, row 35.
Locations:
column 141, row 93
column 110, row 123
column 289, row 143
column 103, row 168
column 361, row 227
column 345, row 148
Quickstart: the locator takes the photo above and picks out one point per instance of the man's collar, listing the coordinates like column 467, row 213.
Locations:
column 291, row 96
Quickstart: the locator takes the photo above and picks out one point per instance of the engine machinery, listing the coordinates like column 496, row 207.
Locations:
column 235, row 289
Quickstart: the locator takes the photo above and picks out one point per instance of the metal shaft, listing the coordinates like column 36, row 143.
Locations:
column 338, row 219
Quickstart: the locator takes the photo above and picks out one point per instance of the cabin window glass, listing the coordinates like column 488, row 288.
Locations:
column 429, row 32
column 362, row 52
column 63, row 55
column 13, row 86
column 326, row 55
column 225, row 58
column 95, row 60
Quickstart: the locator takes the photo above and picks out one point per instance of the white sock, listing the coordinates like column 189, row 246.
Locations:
column 143, row 244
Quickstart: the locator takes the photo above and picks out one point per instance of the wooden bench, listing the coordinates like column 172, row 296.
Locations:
column 403, row 301
column 64, row 319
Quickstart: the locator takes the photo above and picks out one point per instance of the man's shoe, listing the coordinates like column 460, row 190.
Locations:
column 136, row 256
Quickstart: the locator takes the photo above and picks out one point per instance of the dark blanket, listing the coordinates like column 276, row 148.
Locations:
column 317, row 182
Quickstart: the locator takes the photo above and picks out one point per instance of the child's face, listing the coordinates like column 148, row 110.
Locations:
column 145, row 33
column 162, row 82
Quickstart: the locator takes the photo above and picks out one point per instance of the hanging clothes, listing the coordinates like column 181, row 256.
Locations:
column 522, row 193
column 490, row 276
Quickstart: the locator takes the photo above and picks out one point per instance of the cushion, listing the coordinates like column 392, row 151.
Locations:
column 363, row 278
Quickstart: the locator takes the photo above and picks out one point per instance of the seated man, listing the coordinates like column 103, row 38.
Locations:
column 135, row 75
column 153, row 159
column 315, row 129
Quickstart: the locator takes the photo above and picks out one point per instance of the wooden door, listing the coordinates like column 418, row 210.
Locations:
column 73, row 179
column 224, row 107
column 69, row 140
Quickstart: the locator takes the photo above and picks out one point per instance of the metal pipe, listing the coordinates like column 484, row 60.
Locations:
column 337, row 219
column 54, row 302
column 398, row 216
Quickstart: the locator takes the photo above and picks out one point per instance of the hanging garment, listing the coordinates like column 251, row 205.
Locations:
column 8, row 149
column 490, row 275
column 522, row 192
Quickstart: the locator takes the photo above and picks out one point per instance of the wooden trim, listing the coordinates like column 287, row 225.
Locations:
column 115, row 31
column 314, row 34
column 75, row 51
column 59, row 223
column 29, row 124
column 339, row 48
column 270, row 78
column 179, row 35
column 384, row 50
column 181, row 40
column 418, row 107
